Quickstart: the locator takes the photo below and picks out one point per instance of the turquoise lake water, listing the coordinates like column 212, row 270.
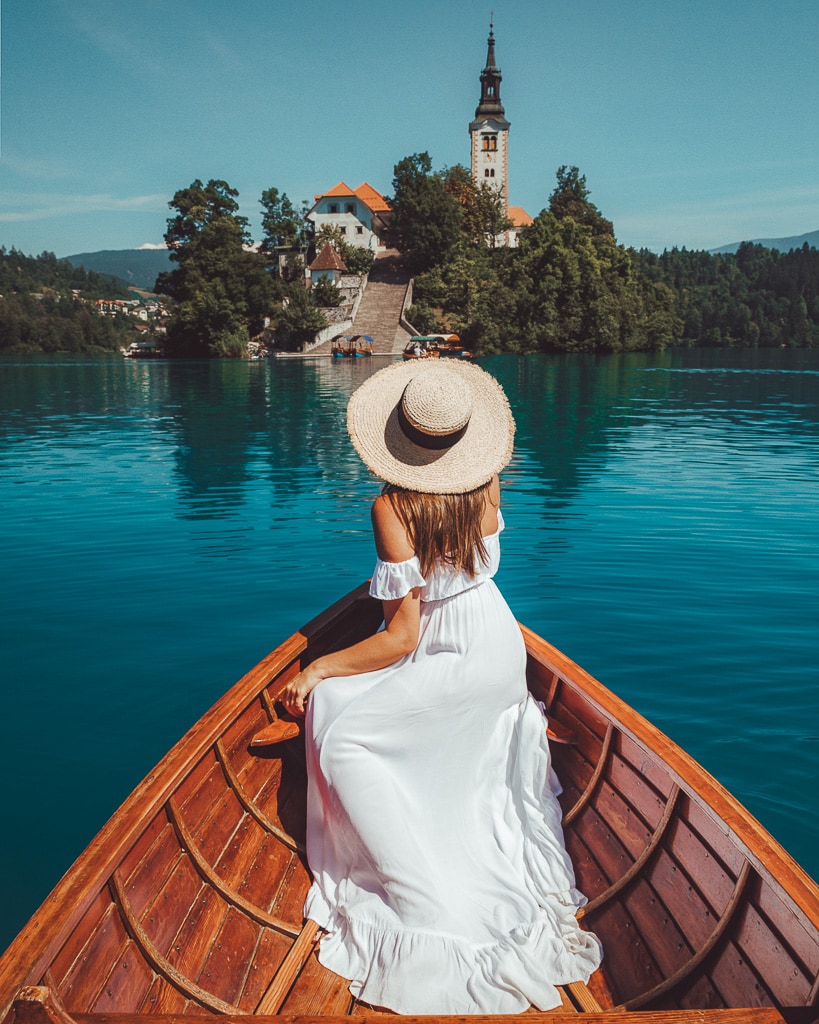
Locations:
column 164, row 525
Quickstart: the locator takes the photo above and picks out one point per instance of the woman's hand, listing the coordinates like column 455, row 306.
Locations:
column 294, row 695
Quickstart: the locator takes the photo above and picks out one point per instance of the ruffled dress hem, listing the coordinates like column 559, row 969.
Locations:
column 413, row 971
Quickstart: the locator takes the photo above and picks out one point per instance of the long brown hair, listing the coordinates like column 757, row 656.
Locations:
column 443, row 527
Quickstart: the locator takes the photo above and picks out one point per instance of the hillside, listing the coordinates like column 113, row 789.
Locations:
column 782, row 244
column 48, row 305
column 138, row 267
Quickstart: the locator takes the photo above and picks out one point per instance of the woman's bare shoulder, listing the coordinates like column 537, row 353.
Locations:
column 489, row 521
column 391, row 540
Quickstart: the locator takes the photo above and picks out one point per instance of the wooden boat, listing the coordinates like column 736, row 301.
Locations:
column 189, row 901
column 352, row 348
column 436, row 346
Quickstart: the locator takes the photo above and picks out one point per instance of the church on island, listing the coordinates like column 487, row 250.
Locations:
column 361, row 215
column 489, row 136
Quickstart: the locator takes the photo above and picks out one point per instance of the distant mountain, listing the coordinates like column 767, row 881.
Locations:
column 782, row 244
column 138, row 267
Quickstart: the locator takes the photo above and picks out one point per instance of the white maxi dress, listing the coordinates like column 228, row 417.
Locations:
column 433, row 827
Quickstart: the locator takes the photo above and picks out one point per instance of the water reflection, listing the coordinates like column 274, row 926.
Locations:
column 230, row 424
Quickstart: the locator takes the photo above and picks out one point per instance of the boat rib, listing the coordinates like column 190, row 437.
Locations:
column 289, row 969
column 209, row 875
column 691, row 965
column 269, row 704
column 588, row 792
column 158, row 961
column 633, row 872
column 583, row 997
column 252, row 808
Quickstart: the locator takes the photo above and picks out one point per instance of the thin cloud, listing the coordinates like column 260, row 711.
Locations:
column 787, row 195
column 108, row 29
column 18, row 207
column 32, row 167
column 790, row 210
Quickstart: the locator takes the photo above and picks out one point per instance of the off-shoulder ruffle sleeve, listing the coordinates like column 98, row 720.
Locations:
column 392, row 580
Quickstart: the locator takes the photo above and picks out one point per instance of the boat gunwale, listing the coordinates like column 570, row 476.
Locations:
column 766, row 855
column 53, row 921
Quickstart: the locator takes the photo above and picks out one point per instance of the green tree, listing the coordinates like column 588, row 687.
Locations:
column 578, row 291
column 281, row 223
column 570, row 199
column 222, row 290
column 490, row 214
column 330, row 233
column 325, row 293
column 483, row 210
column 426, row 220
column 359, row 260
column 298, row 319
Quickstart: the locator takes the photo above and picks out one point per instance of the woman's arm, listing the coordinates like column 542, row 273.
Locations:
column 402, row 619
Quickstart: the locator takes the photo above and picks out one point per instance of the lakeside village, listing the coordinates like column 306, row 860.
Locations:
column 150, row 316
column 446, row 258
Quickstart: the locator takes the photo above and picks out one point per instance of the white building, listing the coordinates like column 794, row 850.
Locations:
column 360, row 214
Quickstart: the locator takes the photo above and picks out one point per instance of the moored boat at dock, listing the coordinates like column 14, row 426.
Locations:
column 436, row 346
column 353, row 347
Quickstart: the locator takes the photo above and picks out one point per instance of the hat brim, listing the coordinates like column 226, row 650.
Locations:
column 483, row 450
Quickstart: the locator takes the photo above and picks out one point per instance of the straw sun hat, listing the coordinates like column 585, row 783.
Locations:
column 441, row 427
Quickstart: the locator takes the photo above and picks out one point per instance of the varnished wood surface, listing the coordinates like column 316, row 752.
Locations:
column 38, row 1007
column 189, row 901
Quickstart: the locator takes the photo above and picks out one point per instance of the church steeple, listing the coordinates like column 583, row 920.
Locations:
column 490, row 104
column 489, row 132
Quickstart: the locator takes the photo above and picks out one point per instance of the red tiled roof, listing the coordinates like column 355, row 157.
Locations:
column 368, row 195
column 341, row 189
column 372, row 197
column 328, row 259
column 519, row 217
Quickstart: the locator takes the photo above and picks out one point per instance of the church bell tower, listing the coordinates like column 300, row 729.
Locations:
column 489, row 132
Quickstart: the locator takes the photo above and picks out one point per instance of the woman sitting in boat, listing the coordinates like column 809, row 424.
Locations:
column 433, row 831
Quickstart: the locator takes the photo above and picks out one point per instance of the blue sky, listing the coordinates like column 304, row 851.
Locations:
column 696, row 123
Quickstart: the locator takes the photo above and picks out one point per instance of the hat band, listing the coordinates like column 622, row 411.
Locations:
column 433, row 442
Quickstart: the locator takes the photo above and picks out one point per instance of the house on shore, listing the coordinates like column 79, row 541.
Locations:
column 360, row 214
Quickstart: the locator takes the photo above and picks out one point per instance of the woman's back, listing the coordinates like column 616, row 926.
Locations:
column 433, row 830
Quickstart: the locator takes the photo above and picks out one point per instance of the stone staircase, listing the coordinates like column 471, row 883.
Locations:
column 379, row 312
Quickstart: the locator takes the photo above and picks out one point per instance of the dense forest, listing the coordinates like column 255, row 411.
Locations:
column 756, row 297
column 46, row 305
column 569, row 286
